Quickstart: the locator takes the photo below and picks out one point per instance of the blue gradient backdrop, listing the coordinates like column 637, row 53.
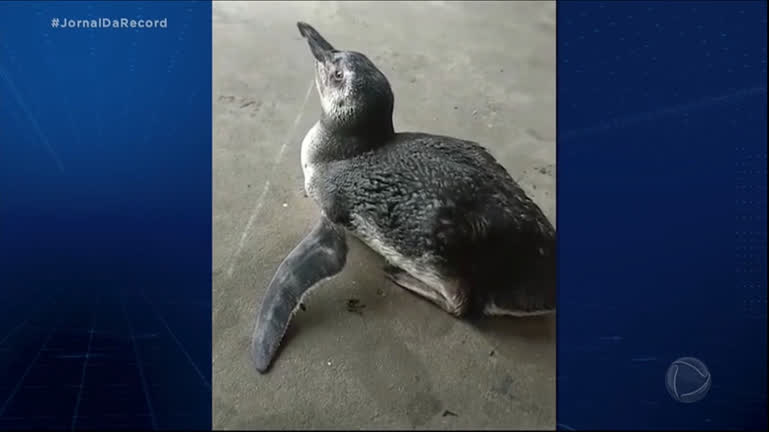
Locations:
column 105, row 218
column 661, row 211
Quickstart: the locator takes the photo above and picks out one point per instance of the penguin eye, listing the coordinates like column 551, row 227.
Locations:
column 338, row 75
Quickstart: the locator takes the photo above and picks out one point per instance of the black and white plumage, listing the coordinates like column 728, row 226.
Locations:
column 450, row 221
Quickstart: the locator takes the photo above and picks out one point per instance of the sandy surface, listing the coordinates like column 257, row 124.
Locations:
column 478, row 71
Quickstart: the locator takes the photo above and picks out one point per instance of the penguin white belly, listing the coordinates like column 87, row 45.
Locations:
column 492, row 309
column 309, row 147
column 425, row 278
column 372, row 236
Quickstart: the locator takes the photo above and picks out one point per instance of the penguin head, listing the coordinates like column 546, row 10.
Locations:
column 354, row 93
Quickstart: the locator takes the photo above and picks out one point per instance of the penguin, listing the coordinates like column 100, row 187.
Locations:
column 451, row 223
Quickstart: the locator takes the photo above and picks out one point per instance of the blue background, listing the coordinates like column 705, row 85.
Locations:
column 661, row 211
column 105, row 218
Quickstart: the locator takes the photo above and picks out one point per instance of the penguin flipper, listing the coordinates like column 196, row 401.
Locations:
column 320, row 255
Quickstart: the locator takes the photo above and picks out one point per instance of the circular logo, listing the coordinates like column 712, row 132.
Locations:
column 688, row 380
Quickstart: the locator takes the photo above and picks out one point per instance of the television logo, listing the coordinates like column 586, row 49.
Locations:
column 688, row 380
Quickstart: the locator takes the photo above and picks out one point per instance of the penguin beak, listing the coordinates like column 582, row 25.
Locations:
column 320, row 47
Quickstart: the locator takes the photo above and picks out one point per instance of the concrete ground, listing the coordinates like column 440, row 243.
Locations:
column 479, row 71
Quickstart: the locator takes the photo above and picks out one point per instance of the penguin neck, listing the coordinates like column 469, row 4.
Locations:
column 347, row 141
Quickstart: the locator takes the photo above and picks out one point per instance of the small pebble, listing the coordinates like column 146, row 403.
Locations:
column 285, row 204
